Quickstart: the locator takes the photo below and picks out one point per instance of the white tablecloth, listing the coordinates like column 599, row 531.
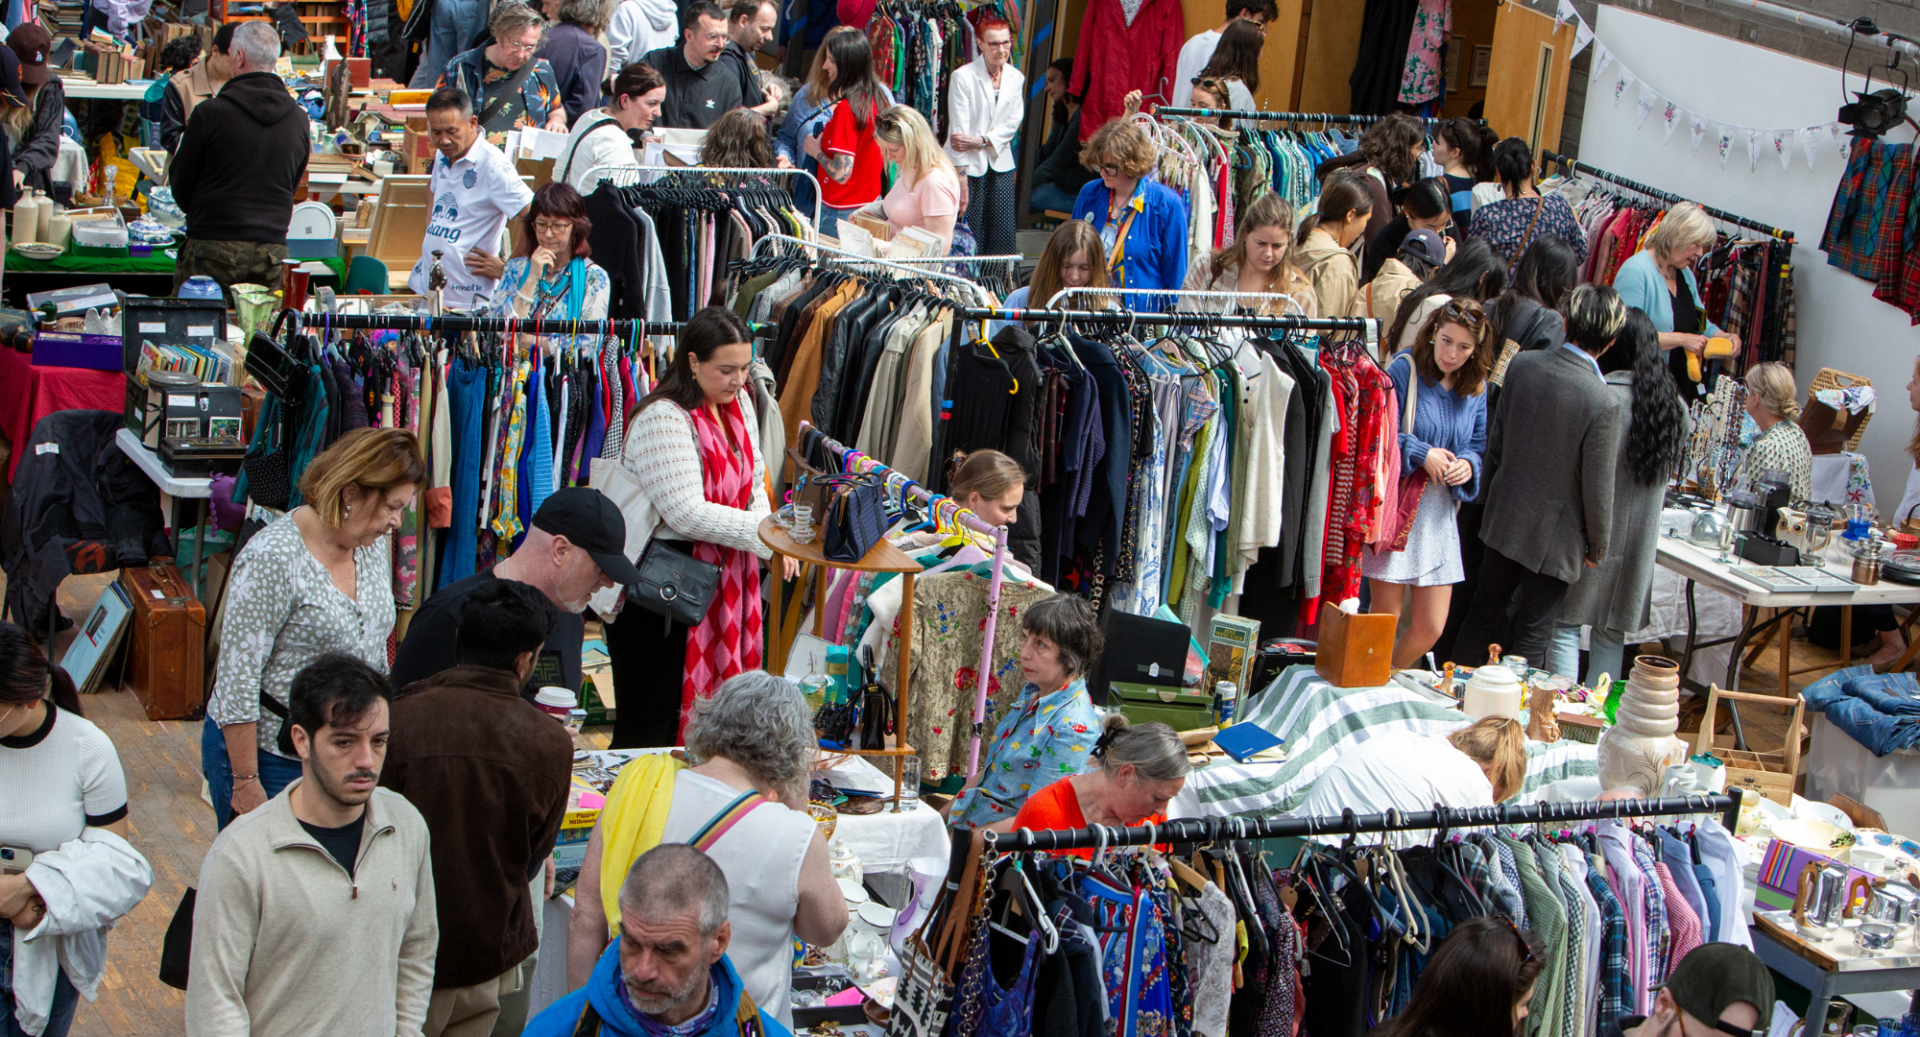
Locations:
column 1718, row 616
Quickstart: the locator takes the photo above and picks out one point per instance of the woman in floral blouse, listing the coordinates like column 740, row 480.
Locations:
column 318, row 580
column 1051, row 728
column 1513, row 223
column 1781, row 446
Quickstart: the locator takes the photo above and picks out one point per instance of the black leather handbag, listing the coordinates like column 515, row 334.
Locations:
column 674, row 584
column 856, row 516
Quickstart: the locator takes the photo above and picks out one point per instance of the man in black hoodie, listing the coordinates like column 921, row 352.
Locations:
column 239, row 168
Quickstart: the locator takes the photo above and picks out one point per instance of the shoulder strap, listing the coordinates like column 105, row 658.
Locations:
column 589, row 1023
column 575, row 153
column 504, row 103
column 729, row 815
column 1525, row 239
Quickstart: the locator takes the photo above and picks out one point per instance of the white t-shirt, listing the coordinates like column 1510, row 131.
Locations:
column 59, row 779
column 1908, row 500
column 761, row 856
column 594, row 144
column 473, row 198
column 1194, row 56
column 1401, row 770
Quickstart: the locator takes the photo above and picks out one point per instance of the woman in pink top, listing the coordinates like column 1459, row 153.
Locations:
column 926, row 194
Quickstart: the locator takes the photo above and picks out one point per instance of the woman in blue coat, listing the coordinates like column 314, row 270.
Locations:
column 1442, row 382
column 1142, row 223
column 1659, row 280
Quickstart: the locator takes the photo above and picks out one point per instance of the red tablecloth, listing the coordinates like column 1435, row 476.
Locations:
column 29, row 393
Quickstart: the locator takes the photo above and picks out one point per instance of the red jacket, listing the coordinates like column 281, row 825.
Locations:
column 856, row 13
column 1114, row 57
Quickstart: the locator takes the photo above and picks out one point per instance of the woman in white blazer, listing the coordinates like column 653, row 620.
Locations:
column 987, row 100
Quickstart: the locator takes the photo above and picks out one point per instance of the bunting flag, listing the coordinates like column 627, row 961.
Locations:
column 1608, row 69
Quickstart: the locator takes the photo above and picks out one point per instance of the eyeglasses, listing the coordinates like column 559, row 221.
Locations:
column 1526, row 945
column 520, row 48
column 1465, row 311
column 552, row 226
column 1728, row 1028
column 1109, row 169
column 995, row 43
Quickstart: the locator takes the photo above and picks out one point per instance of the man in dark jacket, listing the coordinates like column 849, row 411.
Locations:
column 239, row 168
column 700, row 87
column 489, row 772
column 1551, row 448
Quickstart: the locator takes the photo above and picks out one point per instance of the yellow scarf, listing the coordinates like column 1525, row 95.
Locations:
column 632, row 823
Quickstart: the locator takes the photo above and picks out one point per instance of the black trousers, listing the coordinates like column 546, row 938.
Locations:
column 1536, row 599
column 649, row 659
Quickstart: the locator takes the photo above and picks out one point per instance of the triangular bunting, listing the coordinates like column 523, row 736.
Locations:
column 1698, row 130
column 1672, row 119
column 1810, row 143
column 1753, row 150
column 1783, row 149
column 1620, row 85
column 1726, row 144
column 1647, row 100
column 1582, row 35
column 1565, row 14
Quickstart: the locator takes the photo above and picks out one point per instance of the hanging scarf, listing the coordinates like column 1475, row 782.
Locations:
column 727, row 641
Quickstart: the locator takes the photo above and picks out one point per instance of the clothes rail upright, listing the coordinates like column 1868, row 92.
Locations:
column 852, row 461
column 1585, row 169
column 1220, row 829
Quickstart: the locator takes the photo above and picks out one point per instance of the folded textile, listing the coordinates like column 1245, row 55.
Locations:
column 1897, row 694
column 1879, row 732
column 1832, row 688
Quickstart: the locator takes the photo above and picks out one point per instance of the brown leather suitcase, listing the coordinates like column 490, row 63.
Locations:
column 1356, row 651
column 166, row 644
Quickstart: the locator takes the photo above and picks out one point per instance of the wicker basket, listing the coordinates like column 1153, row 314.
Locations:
column 1829, row 431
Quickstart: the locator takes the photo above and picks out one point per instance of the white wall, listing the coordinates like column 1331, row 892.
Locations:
column 1841, row 325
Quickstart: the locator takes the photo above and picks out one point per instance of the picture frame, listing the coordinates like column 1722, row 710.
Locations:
column 1454, row 50
column 1482, row 66
column 96, row 639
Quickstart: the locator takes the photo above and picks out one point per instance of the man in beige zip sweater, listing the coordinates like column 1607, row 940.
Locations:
column 316, row 912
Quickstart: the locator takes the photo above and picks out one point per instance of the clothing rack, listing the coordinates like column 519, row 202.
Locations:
column 487, row 325
column 629, row 176
column 1635, row 186
column 1323, row 117
column 795, row 244
column 1191, row 293
column 1367, row 325
column 1012, row 264
column 853, row 460
column 1221, row 829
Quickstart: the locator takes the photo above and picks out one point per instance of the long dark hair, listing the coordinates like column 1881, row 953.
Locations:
column 1657, row 426
column 1472, row 983
column 1476, row 272
column 1237, row 55
column 1513, row 164
column 1427, row 198
column 1546, row 272
column 25, row 675
column 1343, row 194
column 853, row 80
column 700, row 337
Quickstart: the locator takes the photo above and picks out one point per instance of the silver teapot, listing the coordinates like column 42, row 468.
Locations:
column 1821, row 899
column 1892, row 903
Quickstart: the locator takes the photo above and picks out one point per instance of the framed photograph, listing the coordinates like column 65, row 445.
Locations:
column 1454, row 49
column 97, row 638
column 1482, row 65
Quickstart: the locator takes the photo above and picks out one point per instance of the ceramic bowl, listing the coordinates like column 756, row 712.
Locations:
column 854, row 892
column 1827, row 812
column 1826, row 839
column 1873, row 860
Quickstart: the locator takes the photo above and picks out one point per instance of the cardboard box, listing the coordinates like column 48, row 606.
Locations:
column 416, row 148
column 73, row 349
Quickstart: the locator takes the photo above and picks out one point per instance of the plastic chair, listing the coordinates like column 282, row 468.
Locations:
column 366, row 276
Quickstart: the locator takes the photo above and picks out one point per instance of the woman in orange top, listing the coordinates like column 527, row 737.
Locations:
column 1138, row 770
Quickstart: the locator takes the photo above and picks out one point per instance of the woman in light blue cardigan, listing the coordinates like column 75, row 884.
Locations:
column 1659, row 280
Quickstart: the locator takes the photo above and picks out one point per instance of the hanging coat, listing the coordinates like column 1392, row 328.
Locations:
column 1114, row 57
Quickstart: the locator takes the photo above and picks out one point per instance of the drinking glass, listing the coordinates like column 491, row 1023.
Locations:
column 909, row 782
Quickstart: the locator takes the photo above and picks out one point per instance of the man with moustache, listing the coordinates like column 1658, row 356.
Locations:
column 315, row 912
column 489, row 772
column 667, row 971
column 575, row 545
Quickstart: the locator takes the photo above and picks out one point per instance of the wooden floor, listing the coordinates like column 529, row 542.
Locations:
column 173, row 826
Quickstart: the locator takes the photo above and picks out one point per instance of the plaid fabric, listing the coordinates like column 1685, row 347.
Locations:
column 1877, row 184
column 1549, row 917
column 1613, row 950
column 1899, row 281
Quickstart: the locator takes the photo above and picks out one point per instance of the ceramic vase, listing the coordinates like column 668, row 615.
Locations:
column 1635, row 752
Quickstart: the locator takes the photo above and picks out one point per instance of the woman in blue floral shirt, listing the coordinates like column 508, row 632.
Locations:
column 1050, row 729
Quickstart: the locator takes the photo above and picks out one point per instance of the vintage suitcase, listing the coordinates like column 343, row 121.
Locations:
column 166, row 643
column 1356, row 651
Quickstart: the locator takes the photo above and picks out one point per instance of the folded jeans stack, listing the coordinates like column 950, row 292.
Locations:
column 1880, row 711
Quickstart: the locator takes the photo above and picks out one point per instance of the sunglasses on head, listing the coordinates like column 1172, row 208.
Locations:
column 1465, row 311
column 1526, row 946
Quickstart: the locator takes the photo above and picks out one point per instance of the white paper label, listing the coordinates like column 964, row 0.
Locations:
column 201, row 330
column 45, row 448
column 177, row 400
column 157, row 594
column 153, row 329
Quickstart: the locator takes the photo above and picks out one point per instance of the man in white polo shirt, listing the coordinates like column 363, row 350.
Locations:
column 475, row 192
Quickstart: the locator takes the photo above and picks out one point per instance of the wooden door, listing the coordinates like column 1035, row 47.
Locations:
column 1527, row 79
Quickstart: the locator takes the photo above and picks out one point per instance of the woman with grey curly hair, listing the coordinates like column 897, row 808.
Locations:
column 743, row 801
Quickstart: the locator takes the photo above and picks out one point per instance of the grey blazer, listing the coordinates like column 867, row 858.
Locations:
column 1616, row 595
column 1552, row 450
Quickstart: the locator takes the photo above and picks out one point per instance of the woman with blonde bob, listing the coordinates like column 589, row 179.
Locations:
column 1142, row 223
column 1259, row 261
column 319, row 579
column 1477, row 766
column 1443, row 381
column 926, row 193
column 1660, row 280
column 1781, row 445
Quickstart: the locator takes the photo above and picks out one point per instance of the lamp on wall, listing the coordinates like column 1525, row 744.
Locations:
column 1874, row 112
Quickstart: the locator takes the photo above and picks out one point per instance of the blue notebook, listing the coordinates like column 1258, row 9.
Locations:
column 1244, row 741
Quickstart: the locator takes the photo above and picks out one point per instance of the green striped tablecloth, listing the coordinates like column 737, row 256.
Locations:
column 1318, row 722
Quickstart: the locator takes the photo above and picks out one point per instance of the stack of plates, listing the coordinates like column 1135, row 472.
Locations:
column 1902, row 567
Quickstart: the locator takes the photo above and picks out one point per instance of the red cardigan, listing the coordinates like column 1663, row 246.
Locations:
column 1113, row 57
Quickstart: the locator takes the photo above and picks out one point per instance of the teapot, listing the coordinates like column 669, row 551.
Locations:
column 1820, row 900
column 1892, row 903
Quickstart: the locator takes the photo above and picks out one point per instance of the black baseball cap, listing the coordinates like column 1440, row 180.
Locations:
column 11, row 93
column 592, row 522
column 1715, row 975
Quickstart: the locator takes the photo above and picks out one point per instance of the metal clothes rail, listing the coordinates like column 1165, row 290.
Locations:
column 853, row 460
column 1280, row 322
column 495, row 325
column 630, row 176
column 1252, row 116
column 1220, row 829
column 795, row 244
column 1635, row 186
column 1186, row 293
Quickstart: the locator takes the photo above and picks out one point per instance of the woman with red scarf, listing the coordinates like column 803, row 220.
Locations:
column 693, row 448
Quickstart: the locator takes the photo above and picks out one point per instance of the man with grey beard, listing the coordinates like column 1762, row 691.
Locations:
column 666, row 972
column 575, row 545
